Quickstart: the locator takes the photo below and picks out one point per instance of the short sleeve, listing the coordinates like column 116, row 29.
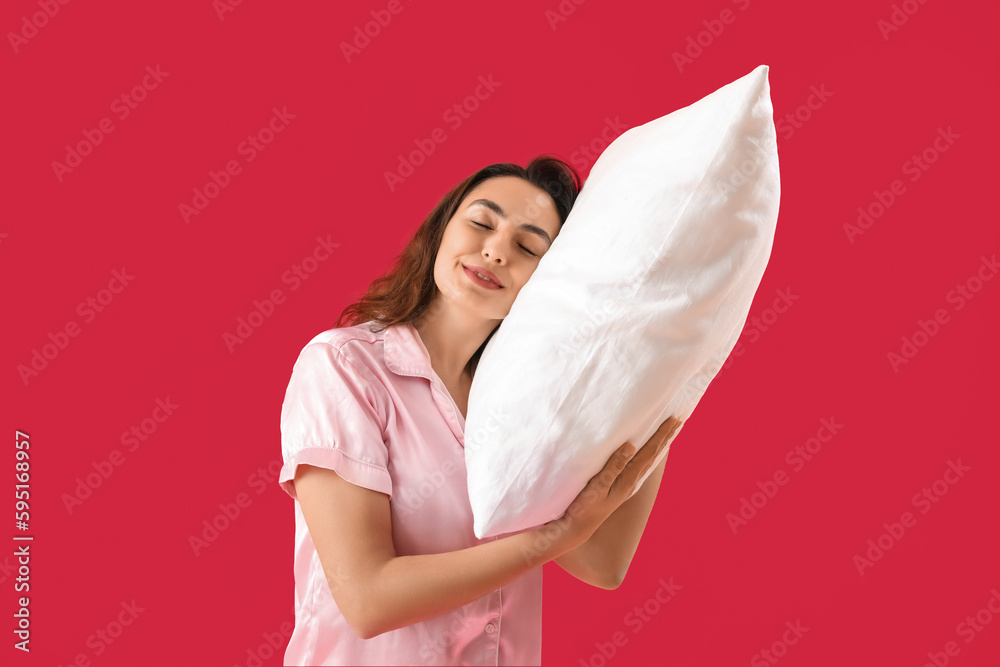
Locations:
column 330, row 419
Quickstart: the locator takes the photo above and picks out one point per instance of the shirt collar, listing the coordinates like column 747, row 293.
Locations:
column 406, row 354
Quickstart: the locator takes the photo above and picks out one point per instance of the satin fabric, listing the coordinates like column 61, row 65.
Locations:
column 370, row 406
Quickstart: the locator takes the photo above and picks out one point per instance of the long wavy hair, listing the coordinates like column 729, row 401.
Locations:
column 407, row 290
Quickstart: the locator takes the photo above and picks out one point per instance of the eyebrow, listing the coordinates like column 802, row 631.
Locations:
column 493, row 206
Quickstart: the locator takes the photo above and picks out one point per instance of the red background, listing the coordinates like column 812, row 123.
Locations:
column 324, row 176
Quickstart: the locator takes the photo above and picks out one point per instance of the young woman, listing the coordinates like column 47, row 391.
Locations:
column 387, row 568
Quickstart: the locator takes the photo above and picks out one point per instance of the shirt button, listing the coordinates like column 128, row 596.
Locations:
column 490, row 628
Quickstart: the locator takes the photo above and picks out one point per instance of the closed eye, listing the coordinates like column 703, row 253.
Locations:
column 519, row 245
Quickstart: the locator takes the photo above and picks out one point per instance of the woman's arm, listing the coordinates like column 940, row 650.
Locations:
column 604, row 559
column 378, row 591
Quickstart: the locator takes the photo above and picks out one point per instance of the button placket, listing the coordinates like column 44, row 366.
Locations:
column 448, row 407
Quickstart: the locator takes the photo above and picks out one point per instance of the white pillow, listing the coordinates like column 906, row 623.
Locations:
column 633, row 309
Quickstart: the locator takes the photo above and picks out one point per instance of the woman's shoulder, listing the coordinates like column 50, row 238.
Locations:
column 361, row 345
column 343, row 336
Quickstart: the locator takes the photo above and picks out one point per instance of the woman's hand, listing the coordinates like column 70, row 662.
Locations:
column 611, row 487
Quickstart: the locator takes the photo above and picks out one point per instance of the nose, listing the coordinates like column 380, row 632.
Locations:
column 492, row 253
column 500, row 244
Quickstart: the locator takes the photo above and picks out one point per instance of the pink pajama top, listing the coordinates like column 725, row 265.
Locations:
column 370, row 406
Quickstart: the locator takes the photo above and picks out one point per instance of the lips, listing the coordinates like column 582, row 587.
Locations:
column 472, row 270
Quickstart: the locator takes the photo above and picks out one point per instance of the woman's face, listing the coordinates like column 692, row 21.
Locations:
column 504, row 225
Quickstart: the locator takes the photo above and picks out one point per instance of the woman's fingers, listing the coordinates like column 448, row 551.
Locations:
column 656, row 442
column 640, row 463
column 613, row 468
column 613, row 485
column 666, row 429
column 628, row 465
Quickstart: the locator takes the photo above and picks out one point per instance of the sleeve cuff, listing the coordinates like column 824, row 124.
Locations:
column 361, row 473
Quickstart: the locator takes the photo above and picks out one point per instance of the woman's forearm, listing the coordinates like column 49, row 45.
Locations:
column 604, row 559
column 410, row 589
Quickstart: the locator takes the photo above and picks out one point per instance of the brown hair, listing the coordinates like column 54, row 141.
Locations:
column 405, row 292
